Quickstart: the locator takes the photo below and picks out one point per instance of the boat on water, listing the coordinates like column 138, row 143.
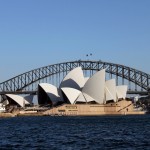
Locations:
column 2, row 108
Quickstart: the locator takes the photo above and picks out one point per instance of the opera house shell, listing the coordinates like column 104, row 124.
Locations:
column 79, row 94
column 75, row 88
column 13, row 99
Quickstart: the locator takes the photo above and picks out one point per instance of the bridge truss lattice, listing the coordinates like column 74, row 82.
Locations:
column 28, row 81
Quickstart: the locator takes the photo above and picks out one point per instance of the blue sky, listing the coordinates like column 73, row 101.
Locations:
column 36, row 33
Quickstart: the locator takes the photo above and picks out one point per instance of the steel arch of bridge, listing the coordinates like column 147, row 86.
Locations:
column 21, row 81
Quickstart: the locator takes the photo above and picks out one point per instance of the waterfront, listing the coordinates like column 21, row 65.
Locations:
column 69, row 133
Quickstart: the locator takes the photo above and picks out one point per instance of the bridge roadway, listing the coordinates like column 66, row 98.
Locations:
column 35, row 92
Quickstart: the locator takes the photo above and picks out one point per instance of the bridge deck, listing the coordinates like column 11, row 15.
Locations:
column 35, row 92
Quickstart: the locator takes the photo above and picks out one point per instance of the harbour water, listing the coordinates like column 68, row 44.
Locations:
column 75, row 133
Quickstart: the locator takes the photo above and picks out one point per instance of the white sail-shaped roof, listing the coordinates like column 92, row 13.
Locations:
column 86, row 79
column 95, row 86
column 51, row 90
column 71, row 94
column 110, row 89
column 81, row 98
column 88, row 98
column 121, row 91
column 18, row 99
column 84, row 98
column 74, row 79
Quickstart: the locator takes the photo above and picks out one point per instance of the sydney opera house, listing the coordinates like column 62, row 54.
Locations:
column 79, row 95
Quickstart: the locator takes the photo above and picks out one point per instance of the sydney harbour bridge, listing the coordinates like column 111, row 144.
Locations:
column 26, row 83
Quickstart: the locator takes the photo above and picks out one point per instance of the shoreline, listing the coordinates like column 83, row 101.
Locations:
column 10, row 115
